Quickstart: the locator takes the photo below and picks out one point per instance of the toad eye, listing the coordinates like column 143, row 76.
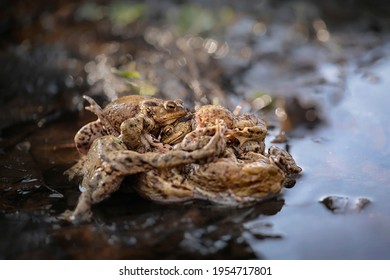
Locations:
column 170, row 105
column 167, row 131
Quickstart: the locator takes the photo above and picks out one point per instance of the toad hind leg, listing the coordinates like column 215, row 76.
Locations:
column 107, row 184
column 99, row 112
column 97, row 183
column 87, row 134
column 82, row 213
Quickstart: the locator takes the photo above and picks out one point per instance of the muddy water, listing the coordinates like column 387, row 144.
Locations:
column 327, row 71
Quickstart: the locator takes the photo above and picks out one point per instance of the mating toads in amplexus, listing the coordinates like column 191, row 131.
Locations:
column 218, row 157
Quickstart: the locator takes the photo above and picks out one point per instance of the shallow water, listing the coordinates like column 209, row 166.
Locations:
column 335, row 93
column 345, row 161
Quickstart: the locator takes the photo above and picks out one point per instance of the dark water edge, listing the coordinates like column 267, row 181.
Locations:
column 326, row 67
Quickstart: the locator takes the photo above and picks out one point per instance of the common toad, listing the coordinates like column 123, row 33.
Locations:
column 108, row 161
column 218, row 157
column 140, row 115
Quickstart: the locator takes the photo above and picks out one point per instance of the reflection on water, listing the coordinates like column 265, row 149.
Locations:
column 346, row 168
column 145, row 231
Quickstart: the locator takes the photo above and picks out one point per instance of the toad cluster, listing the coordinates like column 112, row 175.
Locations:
column 178, row 155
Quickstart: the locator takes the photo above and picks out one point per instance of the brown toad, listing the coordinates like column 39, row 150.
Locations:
column 226, row 181
column 108, row 161
column 246, row 132
column 140, row 115
column 244, row 173
column 218, row 157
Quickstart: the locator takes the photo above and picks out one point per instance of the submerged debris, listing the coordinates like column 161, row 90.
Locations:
column 342, row 204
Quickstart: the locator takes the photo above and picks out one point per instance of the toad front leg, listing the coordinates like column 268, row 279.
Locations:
column 131, row 132
column 136, row 134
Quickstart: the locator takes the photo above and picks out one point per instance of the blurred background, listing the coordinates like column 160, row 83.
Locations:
column 316, row 72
